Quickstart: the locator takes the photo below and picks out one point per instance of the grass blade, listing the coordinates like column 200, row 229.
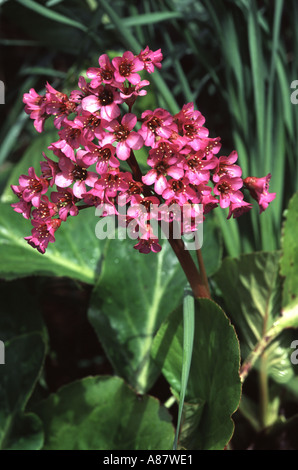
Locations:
column 188, row 337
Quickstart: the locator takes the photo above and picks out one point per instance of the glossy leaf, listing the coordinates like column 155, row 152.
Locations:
column 134, row 295
column 289, row 259
column 213, row 391
column 76, row 252
column 251, row 288
column 103, row 413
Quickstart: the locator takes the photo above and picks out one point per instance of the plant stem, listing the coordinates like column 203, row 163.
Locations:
column 263, row 381
column 203, row 270
column 197, row 280
column 194, row 278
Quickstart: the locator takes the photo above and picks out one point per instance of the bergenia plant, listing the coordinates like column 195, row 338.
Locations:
column 96, row 163
column 93, row 163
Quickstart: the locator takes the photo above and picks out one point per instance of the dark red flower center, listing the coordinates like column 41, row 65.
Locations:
column 106, row 97
column 35, row 185
column 106, row 74
column 125, row 68
column 154, row 123
column 224, row 188
column 79, row 173
column 121, row 133
column 104, row 154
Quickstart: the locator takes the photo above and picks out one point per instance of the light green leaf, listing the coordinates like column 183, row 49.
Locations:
column 76, row 252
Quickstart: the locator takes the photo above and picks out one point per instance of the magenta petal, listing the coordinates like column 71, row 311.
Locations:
column 122, row 151
column 134, row 140
column 110, row 112
column 63, row 181
column 176, row 172
column 129, row 120
column 134, row 78
column 90, row 103
column 79, row 188
column 149, row 178
column 160, row 184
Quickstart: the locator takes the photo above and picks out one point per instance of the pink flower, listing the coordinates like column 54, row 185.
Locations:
column 104, row 74
column 148, row 242
column 75, row 173
column 123, row 134
column 72, row 133
column 156, row 123
column 35, row 106
column 179, row 191
column 45, row 210
column 23, row 207
column 162, row 168
column 65, row 202
column 43, row 233
column 210, row 146
column 31, row 187
column 226, row 188
column 106, row 100
column 143, row 208
column 226, row 166
column 49, row 169
column 91, row 124
column 197, row 167
column 238, row 206
column 58, row 104
column 103, row 157
column 151, row 59
column 258, row 188
column 112, row 182
column 190, row 123
column 126, row 68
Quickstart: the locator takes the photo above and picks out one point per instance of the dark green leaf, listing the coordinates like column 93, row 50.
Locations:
column 24, row 356
column 214, row 385
column 103, row 413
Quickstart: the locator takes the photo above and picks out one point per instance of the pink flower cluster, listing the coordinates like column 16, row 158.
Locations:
column 98, row 132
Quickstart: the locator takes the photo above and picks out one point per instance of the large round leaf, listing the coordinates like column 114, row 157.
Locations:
column 103, row 413
column 213, row 390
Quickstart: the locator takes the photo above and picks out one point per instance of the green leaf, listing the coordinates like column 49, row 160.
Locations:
column 52, row 14
column 76, row 252
column 134, row 295
column 250, row 286
column 289, row 258
column 213, row 386
column 24, row 356
column 188, row 336
column 103, row 413
column 251, row 289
